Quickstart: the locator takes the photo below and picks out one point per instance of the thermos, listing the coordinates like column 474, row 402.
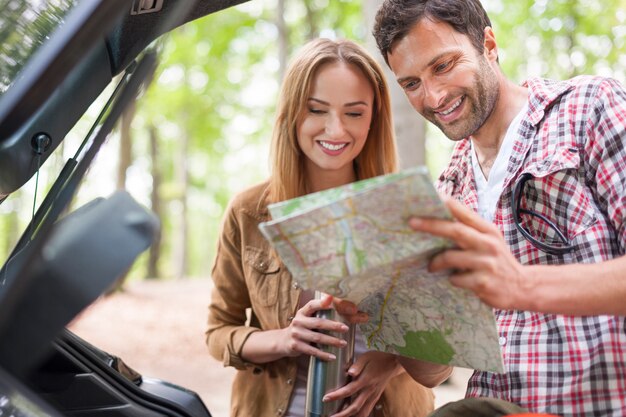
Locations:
column 326, row 376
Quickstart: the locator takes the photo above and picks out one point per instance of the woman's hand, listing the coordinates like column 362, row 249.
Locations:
column 369, row 377
column 349, row 311
column 302, row 336
column 305, row 331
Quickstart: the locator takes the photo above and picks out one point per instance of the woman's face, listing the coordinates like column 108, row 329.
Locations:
column 335, row 122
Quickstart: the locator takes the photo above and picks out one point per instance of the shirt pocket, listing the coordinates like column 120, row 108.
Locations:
column 558, row 194
column 262, row 276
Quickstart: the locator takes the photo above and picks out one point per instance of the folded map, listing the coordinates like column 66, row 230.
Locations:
column 354, row 242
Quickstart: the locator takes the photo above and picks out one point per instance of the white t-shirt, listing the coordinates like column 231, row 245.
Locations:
column 489, row 190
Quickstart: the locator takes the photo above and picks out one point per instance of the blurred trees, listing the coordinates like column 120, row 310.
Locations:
column 560, row 38
column 201, row 131
column 210, row 109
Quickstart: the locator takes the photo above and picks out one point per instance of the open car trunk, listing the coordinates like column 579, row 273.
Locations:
column 64, row 261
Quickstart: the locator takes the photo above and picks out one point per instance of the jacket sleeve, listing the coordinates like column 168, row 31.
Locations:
column 227, row 330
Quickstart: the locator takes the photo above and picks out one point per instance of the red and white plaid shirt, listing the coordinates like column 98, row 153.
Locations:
column 573, row 142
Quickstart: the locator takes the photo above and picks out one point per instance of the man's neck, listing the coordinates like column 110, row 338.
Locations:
column 488, row 139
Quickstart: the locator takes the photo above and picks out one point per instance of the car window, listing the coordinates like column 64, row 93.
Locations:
column 24, row 26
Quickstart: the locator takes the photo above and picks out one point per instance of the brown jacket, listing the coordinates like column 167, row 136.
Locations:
column 245, row 276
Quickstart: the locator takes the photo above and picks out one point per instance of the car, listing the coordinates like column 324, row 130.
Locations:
column 57, row 57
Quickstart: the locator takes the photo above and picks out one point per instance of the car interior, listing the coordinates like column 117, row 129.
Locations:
column 57, row 57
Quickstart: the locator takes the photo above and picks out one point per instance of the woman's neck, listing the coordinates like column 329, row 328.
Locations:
column 322, row 180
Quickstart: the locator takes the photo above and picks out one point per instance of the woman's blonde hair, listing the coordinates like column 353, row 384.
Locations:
column 287, row 179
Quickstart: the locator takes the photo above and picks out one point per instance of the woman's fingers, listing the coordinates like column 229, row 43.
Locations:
column 308, row 334
column 361, row 401
column 309, row 342
column 349, row 311
column 361, row 406
column 313, row 306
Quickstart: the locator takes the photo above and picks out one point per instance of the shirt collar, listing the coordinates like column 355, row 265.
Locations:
column 542, row 94
column 459, row 162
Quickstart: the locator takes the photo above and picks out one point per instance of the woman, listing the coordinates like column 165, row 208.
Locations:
column 333, row 126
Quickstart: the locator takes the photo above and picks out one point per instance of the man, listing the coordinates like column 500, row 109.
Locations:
column 544, row 164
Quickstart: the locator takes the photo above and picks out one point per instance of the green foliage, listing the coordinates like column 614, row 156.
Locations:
column 23, row 28
column 560, row 38
column 216, row 85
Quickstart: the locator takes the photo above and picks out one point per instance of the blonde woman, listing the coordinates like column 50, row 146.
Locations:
column 333, row 127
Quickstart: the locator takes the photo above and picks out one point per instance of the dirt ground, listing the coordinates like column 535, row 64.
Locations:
column 157, row 327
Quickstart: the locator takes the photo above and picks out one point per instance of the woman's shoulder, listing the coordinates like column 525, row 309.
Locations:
column 251, row 200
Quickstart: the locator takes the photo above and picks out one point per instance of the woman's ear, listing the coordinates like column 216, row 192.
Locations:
column 490, row 45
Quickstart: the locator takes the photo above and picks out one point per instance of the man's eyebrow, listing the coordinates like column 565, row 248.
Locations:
column 429, row 64
column 352, row 103
column 439, row 56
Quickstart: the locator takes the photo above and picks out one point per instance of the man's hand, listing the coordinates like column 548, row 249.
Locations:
column 482, row 261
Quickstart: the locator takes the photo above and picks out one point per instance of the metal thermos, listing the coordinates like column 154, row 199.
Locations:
column 326, row 376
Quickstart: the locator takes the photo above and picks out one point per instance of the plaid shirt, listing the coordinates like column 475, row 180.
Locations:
column 572, row 143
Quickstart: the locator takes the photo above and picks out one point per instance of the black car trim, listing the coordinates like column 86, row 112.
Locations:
column 25, row 300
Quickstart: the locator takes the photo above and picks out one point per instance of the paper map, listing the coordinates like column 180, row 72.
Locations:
column 354, row 242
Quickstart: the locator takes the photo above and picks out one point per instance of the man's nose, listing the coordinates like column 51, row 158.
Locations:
column 335, row 127
column 434, row 94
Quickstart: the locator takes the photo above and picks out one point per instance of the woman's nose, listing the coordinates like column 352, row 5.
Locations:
column 334, row 127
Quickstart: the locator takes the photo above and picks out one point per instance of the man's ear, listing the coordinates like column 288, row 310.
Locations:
column 491, row 46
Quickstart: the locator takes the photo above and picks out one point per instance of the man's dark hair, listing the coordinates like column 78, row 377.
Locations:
column 395, row 18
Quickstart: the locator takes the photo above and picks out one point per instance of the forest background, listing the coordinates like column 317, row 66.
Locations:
column 201, row 131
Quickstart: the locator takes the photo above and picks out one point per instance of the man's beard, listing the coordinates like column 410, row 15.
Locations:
column 480, row 99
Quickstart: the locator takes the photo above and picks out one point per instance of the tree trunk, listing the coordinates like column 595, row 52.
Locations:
column 410, row 127
column 311, row 19
column 155, row 200
column 124, row 161
column 125, row 150
column 283, row 39
column 182, row 178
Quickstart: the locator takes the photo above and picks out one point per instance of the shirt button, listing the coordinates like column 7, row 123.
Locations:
column 296, row 285
column 378, row 407
column 289, row 381
column 502, row 340
column 279, row 412
column 289, row 319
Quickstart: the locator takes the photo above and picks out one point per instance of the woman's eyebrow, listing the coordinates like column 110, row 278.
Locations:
column 350, row 104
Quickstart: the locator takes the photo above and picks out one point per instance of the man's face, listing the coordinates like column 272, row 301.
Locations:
column 445, row 78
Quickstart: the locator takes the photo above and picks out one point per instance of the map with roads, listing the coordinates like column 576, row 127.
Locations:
column 354, row 242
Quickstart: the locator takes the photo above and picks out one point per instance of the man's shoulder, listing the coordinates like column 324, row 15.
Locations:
column 581, row 84
column 578, row 92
